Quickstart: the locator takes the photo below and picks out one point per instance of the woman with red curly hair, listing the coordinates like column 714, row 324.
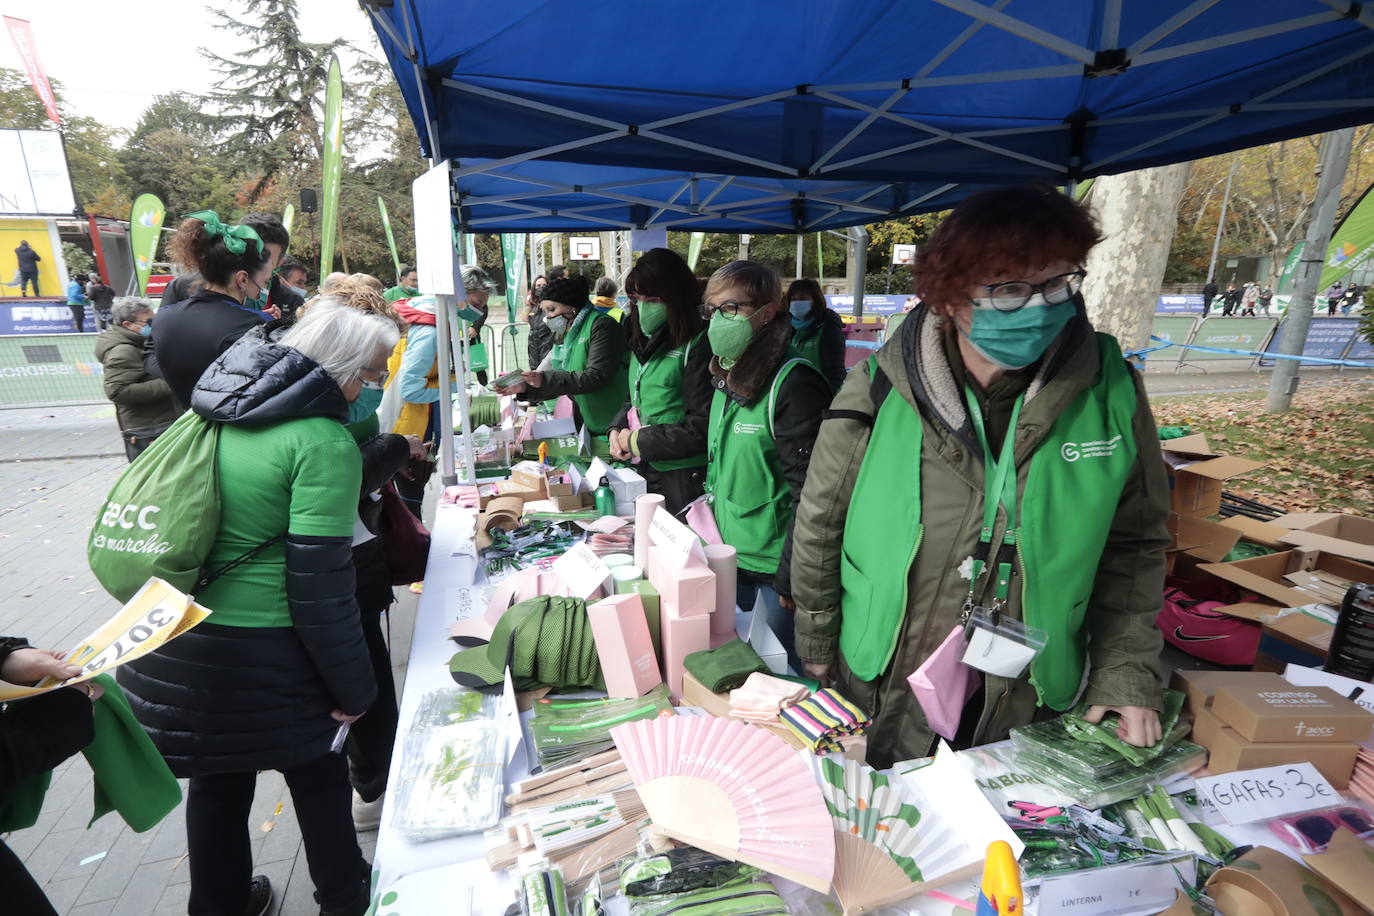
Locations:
column 995, row 461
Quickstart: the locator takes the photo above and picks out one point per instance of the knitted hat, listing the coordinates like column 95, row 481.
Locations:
column 569, row 291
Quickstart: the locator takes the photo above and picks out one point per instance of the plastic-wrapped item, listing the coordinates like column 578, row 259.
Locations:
column 1112, row 785
column 568, row 730
column 689, row 880
column 543, row 891
column 454, row 766
column 1084, row 760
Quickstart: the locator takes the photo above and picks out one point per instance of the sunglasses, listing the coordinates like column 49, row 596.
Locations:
column 1311, row 833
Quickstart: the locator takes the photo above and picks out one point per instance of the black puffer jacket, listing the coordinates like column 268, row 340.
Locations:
column 225, row 699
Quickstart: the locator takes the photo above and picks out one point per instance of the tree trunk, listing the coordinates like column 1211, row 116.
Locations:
column 1137, row 213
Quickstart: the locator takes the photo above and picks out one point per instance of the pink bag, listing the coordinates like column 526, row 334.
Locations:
column 1193, row 626
column 943, row 685
column 563, row 408
column 700, row 520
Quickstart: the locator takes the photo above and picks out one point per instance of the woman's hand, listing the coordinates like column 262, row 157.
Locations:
column 29, row 666
column 419, row 451
column 533, row 378
column 620, row 444
column 1139, row 724
column 340, row 716
column 274, row 311
column 823, row 673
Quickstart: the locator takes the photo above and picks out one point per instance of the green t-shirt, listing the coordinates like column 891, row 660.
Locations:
column 399, row 292
column 300, row 476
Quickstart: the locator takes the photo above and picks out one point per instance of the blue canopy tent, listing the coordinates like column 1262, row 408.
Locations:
column 926, row 92
column 800, row 115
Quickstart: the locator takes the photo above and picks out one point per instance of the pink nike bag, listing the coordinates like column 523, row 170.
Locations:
column 943, row 685
column 1192, row 625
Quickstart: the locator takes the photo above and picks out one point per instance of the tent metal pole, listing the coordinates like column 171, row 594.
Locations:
column 801, row 241
column 858, row 240
column 1021, row 29
column 1334, row 159
column 1221, row 223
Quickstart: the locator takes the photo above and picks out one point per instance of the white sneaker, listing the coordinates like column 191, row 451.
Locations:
column 366, row 815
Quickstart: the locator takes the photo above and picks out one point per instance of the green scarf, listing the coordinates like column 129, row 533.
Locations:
column 130, row 775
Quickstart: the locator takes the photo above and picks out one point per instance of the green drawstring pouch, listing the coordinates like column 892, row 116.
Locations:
column 1104, row 732
column 130, row 775
column 726, row 667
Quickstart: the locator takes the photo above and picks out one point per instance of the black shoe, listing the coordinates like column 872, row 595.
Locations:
column 359, row 905
column 259, row 896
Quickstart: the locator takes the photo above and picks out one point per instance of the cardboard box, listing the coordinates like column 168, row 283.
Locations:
column 1297, row 639
column 1199, row 538
column 1291, row 713
column 1265, row 882
column 1197, row 474
column 1199, row 687
column 1343, row 535
column 1265, row 575
column 627, row 657
column 1229, row 752
column 648, row 597
column 1206, row 725
column 1264, row 534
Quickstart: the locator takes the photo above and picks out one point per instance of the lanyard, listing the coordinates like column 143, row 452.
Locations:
column 999, row 481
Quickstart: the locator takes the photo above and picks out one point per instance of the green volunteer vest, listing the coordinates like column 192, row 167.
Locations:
column 1069, row 498
column 807, row 343
column 749, row 497
column 598, row 408
column 656, row 392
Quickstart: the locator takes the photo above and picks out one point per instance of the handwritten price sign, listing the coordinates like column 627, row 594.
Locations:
column 1270, row 792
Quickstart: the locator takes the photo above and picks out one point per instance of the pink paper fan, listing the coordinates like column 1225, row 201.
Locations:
column 733, row 790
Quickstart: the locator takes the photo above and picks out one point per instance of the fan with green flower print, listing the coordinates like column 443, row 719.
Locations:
column 880, row 839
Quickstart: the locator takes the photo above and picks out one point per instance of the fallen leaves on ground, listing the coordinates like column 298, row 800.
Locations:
column 1319, row 455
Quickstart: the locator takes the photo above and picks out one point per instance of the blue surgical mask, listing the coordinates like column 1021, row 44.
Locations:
column 1014, row 340
column 800, row 308
column 366, row 404
column 146, row 330
column 298, row 290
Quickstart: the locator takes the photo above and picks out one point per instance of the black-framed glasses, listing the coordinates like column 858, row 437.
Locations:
column 1014, row 294
column 729, row 308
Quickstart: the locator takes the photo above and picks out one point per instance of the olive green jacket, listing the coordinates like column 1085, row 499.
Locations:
column 1124, row 643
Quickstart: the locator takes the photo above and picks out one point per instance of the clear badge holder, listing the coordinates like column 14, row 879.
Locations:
column 1000, row 645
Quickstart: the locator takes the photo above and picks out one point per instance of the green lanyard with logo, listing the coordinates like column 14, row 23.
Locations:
column 999, row 482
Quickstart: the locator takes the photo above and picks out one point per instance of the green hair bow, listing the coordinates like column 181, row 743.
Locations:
column 235, row 237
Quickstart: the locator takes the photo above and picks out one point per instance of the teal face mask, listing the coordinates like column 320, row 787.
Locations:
column 652, row 316
column 729, row 336
column 1014, row 340
column 365, row 405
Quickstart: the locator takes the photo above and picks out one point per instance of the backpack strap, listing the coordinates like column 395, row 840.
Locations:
column 207, row 577
column 879, row 387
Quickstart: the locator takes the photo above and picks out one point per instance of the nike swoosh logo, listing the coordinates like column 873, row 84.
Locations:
column 1178, row 632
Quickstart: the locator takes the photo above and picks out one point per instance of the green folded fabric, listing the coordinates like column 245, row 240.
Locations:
column 547, row 642
column 1104, row 732
column 725, row 667
column 130, row 775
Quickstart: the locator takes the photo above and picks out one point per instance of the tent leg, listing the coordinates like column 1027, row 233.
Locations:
column 801, row 241
column 858, row 248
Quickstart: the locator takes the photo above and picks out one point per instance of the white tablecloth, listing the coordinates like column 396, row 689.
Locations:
column 452, row 564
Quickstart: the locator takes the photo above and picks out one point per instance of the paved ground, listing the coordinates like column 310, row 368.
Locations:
column 56, row 465
column 48, row 499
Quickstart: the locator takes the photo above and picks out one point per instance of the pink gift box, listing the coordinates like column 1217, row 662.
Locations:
column 681, row 637
column 623, row 645
column 688, row 591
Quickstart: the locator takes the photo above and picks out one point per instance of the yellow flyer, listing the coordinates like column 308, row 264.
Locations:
column 157, row 613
